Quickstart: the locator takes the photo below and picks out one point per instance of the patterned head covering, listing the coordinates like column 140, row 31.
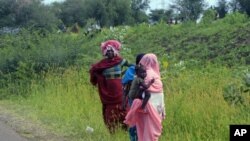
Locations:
column 111, row 44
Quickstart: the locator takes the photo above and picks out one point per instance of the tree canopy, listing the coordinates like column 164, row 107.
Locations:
column 34, row 13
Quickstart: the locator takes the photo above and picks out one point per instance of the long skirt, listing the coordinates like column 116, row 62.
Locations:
column 113, row 116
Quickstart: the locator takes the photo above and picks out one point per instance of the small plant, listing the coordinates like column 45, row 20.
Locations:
column 247, row 82
column 234, row 93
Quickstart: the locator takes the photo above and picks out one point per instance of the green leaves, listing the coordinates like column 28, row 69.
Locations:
column 233, row 95
column 238, row 93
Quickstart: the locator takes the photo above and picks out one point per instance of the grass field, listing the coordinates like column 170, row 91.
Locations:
column 46, row 79
column 196, row 109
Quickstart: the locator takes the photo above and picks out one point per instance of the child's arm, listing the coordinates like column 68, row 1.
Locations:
column 146, row 86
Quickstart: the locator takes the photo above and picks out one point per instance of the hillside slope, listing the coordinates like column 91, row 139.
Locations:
column 222, row 43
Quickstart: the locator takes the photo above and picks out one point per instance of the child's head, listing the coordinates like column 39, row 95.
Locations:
column 138, row 58
column 140, row 71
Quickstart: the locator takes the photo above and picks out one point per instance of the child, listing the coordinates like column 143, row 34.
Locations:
column 127, row 102
column 127, row 79
column 139, row 87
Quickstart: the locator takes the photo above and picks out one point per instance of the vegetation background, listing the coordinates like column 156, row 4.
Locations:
column 205, row 70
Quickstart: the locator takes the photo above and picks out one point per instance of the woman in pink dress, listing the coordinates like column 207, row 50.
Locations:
column 149, row 121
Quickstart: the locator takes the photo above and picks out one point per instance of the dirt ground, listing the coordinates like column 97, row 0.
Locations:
column 27, row 129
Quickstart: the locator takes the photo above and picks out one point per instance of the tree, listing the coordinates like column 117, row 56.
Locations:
column 142, row 5
column 242, row 6
column 73, row 11
column 245, row 6
column 96, row 10
column 189, row 9
column 208, row 16
column 157, row 15
column 26, row 13
column 234, row 5
column 118, row 11
column 139, row 8
column 105, row 12
column 160, row 14
column 7, row 14
column 222, row 8
column 35, row 14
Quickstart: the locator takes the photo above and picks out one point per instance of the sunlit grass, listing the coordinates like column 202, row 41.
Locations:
column 69, row 104
column 195, row 107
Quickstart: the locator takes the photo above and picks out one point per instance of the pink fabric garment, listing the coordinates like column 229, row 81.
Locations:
column 148, row 123
column 150, row 62
column 111, row 44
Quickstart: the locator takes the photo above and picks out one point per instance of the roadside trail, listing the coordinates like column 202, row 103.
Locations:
column 14, row 127
column 8, row 134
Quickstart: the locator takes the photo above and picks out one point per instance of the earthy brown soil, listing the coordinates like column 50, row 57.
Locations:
column 30, row 130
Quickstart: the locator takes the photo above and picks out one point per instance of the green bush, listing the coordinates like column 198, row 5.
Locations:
column 237, row 93
column 233, row 95
column 235, row 18
column 208, row 17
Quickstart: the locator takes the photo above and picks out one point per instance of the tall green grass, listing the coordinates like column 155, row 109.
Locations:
column 195, row 107
column 48, row 80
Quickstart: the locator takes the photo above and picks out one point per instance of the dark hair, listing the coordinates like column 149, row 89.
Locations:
column 138, row 58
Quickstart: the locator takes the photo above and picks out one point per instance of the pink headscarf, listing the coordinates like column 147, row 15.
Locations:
column 111, row 44
column 150, row 62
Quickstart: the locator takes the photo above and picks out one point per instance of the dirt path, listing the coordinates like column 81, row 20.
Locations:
column 15, row 128
column 8, row 134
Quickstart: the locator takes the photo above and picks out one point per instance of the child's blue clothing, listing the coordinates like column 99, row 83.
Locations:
column 129, row 75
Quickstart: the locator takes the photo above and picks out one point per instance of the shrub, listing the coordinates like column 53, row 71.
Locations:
column 234, row 94
column 208, row 17
column 235, row 18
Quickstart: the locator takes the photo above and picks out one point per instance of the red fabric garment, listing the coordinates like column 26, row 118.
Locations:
column 110, row 90
column 98, row 68
column 114, row 116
